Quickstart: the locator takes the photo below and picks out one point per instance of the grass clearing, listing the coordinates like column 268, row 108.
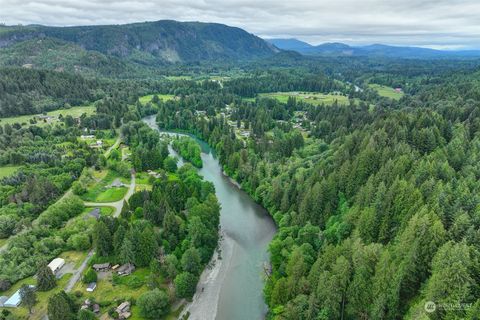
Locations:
column 164, row 97
column 25, row 120
column 76, row 257
column 112, row 195
column 177, row 78
column 8, row 171
column 387, row 92
column 101, row 191
column 314, row 98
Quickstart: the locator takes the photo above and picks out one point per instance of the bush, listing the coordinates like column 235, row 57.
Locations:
column 5, row 284
column 89, row 276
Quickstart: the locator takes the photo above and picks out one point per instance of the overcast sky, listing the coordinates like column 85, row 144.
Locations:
column 447, row 24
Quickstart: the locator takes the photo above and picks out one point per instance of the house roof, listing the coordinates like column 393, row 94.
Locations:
column 92, row 285
column 101, row 265
column 15, row 299
column 126, row 267
column 56, row 263
column 124, row 305
column 95, row 213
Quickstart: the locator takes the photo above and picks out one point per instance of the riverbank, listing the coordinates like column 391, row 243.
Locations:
column 204, row 304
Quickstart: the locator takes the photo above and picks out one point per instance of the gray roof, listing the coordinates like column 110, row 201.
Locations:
column 2, row 300
column 95, row 213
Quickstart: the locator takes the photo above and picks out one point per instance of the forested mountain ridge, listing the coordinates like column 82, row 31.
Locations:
column 374, row 50
column 150, row 43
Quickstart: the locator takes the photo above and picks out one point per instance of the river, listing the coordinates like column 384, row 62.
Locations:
column 232, row 289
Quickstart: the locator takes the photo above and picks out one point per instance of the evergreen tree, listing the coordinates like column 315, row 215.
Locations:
column 45, row 278
column 28, row 296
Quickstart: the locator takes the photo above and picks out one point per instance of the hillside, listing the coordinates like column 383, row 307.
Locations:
column 148, row 43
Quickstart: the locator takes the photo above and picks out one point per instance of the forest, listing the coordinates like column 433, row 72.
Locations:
column 376, row 201
column 377, row 207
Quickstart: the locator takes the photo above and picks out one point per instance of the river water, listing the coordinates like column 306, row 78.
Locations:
column 232, row 289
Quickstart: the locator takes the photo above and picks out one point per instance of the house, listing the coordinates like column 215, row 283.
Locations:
column 123, row 310
column 14, row 300
column 87, row 305
column 56, row 264
column 101, row 267
column 91, row 286
column 117, row 184
column 95, row 213
column 126, row 269
column 399, row 90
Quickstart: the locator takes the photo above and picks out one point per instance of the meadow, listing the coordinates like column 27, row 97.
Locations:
column 164, row 97
column 8, row 170
column 386, row 92
column 314, row 98
column 75, row 112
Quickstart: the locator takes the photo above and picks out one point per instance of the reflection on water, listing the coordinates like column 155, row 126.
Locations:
column 251, row 228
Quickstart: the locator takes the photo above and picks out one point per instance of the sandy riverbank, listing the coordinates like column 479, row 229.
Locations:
column 205, row 301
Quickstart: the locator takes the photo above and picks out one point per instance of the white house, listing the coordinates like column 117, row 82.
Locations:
column 56, row 264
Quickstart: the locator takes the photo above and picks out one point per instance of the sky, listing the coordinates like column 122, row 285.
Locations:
column 440, row 24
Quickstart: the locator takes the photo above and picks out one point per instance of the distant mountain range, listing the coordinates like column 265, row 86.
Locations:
column 143, row 44
column 375, row 50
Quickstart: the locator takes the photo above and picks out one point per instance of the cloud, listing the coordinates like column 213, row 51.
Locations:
column 428, row 23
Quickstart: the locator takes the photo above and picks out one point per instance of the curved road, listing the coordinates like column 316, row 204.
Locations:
column 118, row 205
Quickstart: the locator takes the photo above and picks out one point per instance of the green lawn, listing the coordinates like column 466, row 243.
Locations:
column 112, row 195
column 8, row 170
column 100, row 191
column 148, row 98
column 309, row 97
column 40, row 309
column 386, row 92
column 74, row 112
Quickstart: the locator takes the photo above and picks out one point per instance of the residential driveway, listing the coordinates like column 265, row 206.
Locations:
column 118, row 205
column 78, row 273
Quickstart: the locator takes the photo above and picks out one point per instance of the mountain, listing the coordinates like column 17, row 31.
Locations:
column 290, row 44
column 147, row 43
column 375, row 50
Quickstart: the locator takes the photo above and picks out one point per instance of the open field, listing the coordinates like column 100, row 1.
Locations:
column 8, row 170
column 148, row 98
column 74, row 112
column 176, row 78
column 386, row 92
column 100, row 191
column 309, row 97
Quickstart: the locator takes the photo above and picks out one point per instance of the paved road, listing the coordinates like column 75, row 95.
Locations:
column 78, row 273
